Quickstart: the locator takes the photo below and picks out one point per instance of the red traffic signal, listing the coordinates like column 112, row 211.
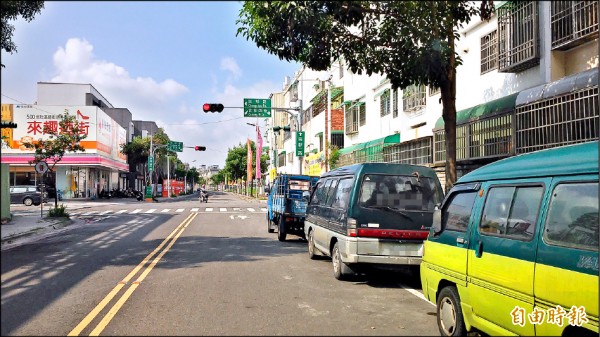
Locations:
column 212, row 107
column 200, row 148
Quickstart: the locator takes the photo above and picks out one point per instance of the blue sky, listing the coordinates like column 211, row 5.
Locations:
column 160, row 59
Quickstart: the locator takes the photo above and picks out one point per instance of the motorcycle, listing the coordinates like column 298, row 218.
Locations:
column 203, row 196
column 138, row 195
column 105, row 194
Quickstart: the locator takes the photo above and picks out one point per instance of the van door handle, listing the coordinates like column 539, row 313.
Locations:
column 461, row 241
column 479, row 250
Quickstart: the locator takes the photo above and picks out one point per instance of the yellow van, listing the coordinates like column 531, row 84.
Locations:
column 513, row 248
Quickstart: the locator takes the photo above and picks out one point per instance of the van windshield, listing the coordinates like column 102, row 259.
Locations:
column 402, row 192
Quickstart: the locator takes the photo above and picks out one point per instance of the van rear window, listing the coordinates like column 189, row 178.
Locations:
column 299, row 185
column 401, row 192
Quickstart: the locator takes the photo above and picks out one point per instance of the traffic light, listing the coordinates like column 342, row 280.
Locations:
column 8, row 125
column 284, row 128
column 212, row 107
column 200, row 148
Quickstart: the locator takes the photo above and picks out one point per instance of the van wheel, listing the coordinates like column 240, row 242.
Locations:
column 341, row 271
column 311, row 246
column 28, row 201
column 270, row 228
column 449, row 313
column 281, row 229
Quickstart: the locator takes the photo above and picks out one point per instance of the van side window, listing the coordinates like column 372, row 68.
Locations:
column 322, row 192
column 456, row 216
column 331, row 191
column 573, row 216
column 511, row 211
column 342, row 194
column 318, row 190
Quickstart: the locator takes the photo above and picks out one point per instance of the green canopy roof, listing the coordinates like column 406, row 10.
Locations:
column 385, row 141
column 336, row 91
column 500, row 105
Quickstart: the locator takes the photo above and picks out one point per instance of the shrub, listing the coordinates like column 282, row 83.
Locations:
column 59, row 211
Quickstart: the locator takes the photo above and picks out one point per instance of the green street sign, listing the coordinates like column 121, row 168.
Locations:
column 148, row 193
column 257, row 107
column 300, row 143
column 175, row 146
column 150, row 163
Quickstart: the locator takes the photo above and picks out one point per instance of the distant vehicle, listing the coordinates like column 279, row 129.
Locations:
column 286, row 204
column 203, row 196
column 27, row 195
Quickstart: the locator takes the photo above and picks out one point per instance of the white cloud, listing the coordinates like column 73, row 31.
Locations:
column 229, row 64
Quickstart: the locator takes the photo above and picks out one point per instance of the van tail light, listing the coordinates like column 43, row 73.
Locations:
column 351, row 225
column 393, row 233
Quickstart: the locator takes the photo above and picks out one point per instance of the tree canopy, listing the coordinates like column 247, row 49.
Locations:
column 11, row 10
column 410, row 42
column 236, row 162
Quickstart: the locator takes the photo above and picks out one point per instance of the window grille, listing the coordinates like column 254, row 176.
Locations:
column 337, row 139
column 490, row 137
column 290, row 157
column 307, row 115
column 489, row 52
column 384, row 103
column 434, row 91
column 518, row 35
column 557, row 121
column 346, row 159
column 395, row 104
column 351, row 120
column 439, row 146
column 362, row 114
column 413, row 98
column 281, row 159
column 416, row 152
column 573, row 23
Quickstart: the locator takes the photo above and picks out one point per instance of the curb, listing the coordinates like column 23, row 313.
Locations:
column 47, row 228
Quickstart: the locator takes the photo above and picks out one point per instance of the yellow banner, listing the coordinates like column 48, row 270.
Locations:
column 314, row 164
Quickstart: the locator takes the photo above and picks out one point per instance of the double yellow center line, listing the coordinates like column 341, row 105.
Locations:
column 115, row 308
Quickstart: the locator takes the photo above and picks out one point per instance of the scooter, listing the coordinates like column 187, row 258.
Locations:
column 203, row 196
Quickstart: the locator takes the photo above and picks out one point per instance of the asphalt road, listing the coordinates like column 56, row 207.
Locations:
column 210, row 271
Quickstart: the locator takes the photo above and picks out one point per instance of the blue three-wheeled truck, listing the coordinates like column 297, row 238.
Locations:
column 286, row 204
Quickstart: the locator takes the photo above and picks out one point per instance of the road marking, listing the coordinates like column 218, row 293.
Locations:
column 237, row 209
column 115, row 308
column 165, row 210
column 209, row 209
column 263, row 209
column 179, row 210
column 136, row 211
column 150, row 210
column 242, row 217
column 231, row 217
column 416, row 293
column 195, row 209
column 88, row 213
column 121, row 211
column 222, row 209
column 251, row 209
column 104, row 212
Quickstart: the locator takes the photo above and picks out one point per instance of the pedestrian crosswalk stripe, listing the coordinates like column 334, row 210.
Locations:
column 89, row 213
column 237, row 209
column 121, row 211
column 136, row 211
column 165, row 210
column 150, row 210
column 263, row 209
column 209, row 209
column 194, row 210
column 251, row 209
column 179, row 210
column 74, row 213
column 104, row 212
column 222, row 209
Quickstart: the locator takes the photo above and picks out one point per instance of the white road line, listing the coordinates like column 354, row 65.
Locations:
column 195, row 209
column 74, row 213
column 237, row 209
column 179, row 210
column 165, row 210
column 209, row 209
column 104, row 212
column 263, row 209
column 88, row 213
column 251, row 209
column 416, row 293
column 136, row 211
column 222, row 209
column 150, row 210
column 121, row 211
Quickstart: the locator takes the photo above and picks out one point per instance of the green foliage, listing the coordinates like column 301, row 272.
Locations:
column 58, row 212
column 410, row 42
column 236, row 162
column 334, row 156
column 11, row 10
column 137, row 151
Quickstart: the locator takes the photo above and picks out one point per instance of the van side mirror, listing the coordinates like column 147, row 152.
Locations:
column 436, row 226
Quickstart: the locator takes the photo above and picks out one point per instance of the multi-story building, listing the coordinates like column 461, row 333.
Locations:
column 529, row 80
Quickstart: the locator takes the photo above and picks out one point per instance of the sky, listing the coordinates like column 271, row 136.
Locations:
column 160, row 59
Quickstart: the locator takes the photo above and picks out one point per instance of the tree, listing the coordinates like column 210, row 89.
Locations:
column 235, row 164
column 11, row 10
column 62, row 138
column 411, row 42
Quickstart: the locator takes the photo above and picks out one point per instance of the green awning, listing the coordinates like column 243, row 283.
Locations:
column 318, row 96
column 337, row 132
column 381, row 93
column 348, row 149
column 336, row 92
column 501, row 105
column 344, row 103
column 357, row 104
column 318, row 134
column 384, row 141
column 282, row 152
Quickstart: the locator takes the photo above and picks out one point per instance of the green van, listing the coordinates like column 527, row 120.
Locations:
column 513, row 248
column 371, row 215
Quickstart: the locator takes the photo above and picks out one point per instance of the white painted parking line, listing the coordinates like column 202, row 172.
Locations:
column 150, row 210
column 136, row 211
column 179, row 210
column 222, row 209
column 121, row 211
column 104, row 212
column 88, row 213
column 195, row 209
column 251, row 209
column 416, row 293
column 262, row 209
column 209, row 209
column 165, row 210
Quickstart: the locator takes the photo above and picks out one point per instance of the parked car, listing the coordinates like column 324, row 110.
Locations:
column 26, row 194
column 372, row 215
column 513, row 248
